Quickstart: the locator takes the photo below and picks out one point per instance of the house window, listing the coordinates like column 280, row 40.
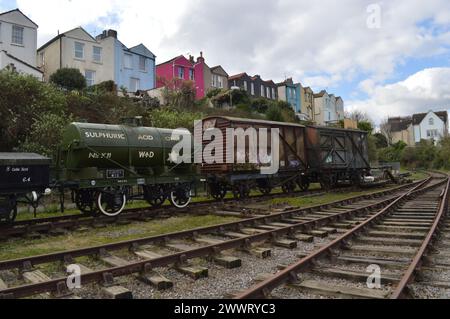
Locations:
column 41, row 59
column 135, row 84
column 217, row 81
column 432, row 134
column 273, row 93
column 142, row 63
column 180, row 72
column 263, row 91
column 97, row 54
column 79, row 50
column 191, row 74
column 128, row 61
column 253, row 88
column 245, row 85
column 431, row 121
column 17, row 35
column 90, row 77
column 268, row 92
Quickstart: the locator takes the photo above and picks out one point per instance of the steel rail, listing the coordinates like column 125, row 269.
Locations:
column 35, row 260
column 77, row 220
column 402, row 287
column 42, row 224
column 263, row 289
column 55, row 285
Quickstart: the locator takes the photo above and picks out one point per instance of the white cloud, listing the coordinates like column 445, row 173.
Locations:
column 421, row 92
column 321, row 43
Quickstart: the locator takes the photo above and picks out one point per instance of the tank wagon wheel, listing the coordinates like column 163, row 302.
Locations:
column 181, row 196
column 8, row 211
column 111, row 202
column 155, row 195
column 85, row 202
column 303, row 183
column 288, row 187
column 218, row 191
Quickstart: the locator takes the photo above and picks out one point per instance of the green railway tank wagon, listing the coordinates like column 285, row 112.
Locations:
column 104, row 165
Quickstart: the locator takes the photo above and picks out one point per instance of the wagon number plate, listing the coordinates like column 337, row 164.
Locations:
column 115, row 173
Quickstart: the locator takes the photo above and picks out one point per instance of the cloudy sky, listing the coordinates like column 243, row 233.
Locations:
column 385, row 58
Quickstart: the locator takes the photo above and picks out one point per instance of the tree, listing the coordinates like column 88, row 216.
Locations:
column 366, row 126
column 357, row 116
column 22, row 101
column 380, row 140
column 386, row 130
column 69, row 79
column 46, row 134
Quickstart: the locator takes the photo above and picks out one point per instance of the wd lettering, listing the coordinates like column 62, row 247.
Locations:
column 146, row 154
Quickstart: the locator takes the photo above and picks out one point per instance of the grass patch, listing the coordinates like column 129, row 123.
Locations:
column 320, row 200
column 21, row 248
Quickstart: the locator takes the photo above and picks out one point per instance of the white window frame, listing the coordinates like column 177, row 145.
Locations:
column 75, row 51
column 192, row 74
column 95, row 55
column 127, row 57
column 263, row 91
column 268, row 92
column 431, row 121
column 252, row 88
column 14, row 36
column 245, row 85
column 142, row 58
column 220, row 81
column 42, row 58
column 92, row 80
column 180, row 72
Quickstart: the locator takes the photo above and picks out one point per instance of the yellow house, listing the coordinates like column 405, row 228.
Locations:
column 307, row 102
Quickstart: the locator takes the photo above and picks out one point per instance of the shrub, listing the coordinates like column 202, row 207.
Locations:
column 23, row 100
column 274, row 114
column 69, row 79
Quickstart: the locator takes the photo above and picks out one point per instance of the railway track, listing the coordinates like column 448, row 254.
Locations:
column 179, row 250
column 61, row 224
column 377, row 259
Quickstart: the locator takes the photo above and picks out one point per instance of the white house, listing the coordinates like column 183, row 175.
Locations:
column 430, row 126
column 18, row 43
column 325, row 108
column 340, row 108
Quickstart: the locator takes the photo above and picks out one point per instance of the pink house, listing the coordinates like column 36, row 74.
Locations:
column 185, row 70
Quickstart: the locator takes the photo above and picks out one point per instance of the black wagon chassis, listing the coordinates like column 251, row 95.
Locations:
column 24, row 178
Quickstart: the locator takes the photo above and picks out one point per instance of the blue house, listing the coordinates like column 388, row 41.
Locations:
column 134, row 68
column 290, row 92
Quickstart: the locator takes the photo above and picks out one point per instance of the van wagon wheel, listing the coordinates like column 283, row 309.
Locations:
column 218, row 191
column 303, row 183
